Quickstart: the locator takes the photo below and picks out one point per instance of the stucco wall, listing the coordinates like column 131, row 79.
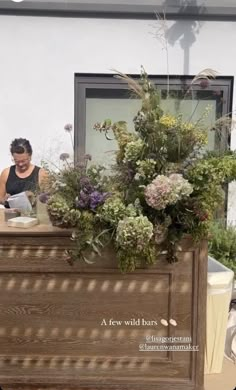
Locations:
column 39, row 56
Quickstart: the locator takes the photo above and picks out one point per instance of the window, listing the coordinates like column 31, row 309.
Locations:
column 98, row 97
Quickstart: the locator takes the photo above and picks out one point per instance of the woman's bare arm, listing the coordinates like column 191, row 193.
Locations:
column 3, row 180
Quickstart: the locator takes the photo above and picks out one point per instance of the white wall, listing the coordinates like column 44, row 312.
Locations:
column 39, row 56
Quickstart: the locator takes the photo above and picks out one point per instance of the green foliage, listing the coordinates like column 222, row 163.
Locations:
column 133, row 239
column 222, row 245
column 164, row 166
column 61, row 211
column 114, row 210
column 212, row 170
column 162, row 186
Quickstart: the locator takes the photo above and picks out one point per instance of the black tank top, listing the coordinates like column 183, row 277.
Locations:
column 15, row 184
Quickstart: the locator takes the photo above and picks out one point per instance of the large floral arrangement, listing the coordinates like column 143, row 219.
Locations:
column 162, row 186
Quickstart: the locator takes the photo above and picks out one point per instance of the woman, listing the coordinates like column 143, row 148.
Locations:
column 23, row 176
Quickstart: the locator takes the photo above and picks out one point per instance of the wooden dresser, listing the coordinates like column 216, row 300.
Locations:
column 90, row 327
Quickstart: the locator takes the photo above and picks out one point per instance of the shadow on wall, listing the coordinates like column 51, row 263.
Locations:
column 186, row 32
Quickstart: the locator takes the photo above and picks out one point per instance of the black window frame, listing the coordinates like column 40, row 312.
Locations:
column 84, row 81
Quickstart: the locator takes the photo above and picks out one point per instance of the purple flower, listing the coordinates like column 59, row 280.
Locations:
column 204, row 83
column 84, row 181
column 81, row 204
column 83, row 196
column 68, row 127
column 89, row 195
column 86, row 185
column 82, row 201
column 43, row 197
column 97, row 198
column 64, row 156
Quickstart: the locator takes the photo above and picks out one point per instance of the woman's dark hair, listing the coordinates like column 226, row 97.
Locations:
column 21, row 145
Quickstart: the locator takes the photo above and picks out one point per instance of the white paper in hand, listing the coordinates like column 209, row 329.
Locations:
column 20, row 201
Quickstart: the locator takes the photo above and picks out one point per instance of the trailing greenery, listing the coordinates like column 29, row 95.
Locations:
column 162, row 186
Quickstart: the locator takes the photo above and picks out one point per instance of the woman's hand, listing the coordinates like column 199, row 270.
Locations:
column 4, row 199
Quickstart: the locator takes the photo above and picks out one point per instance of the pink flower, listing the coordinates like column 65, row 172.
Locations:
column 163, row 191
column 204, row 83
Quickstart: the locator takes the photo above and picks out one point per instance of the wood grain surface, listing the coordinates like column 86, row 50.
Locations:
column 90, row 327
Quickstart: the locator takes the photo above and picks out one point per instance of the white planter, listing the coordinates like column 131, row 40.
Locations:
column 234, row 290
column 219, row 290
